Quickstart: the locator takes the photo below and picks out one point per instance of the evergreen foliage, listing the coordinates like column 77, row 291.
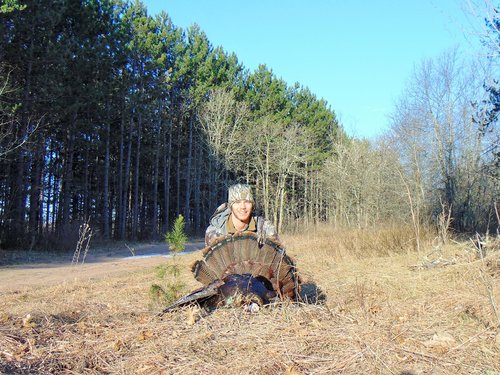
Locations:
column 177, row 238
column 168, row 288
column 118, row 94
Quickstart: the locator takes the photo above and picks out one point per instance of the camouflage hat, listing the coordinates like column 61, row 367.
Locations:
column 239, row 192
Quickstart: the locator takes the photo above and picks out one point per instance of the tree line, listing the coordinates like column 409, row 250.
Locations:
column 123, row 120
column 110, row 105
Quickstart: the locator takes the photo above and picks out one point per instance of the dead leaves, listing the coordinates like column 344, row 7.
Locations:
column 145, row 335
column 4, row 317
column 292, row 371
column 192, row 315
column 28, row 323
column 16, row 348
column 440, row 343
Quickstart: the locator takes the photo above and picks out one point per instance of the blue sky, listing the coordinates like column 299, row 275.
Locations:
column 357, row 55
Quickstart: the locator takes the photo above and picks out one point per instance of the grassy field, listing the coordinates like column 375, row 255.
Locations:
column 389, row 310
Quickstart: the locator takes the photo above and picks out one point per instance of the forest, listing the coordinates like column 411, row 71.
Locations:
column 122, row 120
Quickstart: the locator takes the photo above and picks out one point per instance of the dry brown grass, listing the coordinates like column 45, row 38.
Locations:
column 400, row 313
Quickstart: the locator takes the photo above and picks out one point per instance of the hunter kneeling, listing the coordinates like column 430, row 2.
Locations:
column 244, row 264
column 237, row 215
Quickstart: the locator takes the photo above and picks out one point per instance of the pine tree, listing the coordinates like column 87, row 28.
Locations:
column 177, row 238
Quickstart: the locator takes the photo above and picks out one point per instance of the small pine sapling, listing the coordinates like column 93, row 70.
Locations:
column 170, row 291
column 176, row 238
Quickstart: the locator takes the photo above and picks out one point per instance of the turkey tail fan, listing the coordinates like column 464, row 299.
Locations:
column 203, row 272
column 245, row 250
column 242, row 254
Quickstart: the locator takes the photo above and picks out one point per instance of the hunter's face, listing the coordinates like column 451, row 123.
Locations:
column 242, row 209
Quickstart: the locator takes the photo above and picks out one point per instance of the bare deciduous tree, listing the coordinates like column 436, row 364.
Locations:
column 439, row 141
column 361, row 184
column 12, row 134
column 223, row 120
column 484, row 24
column 275, row 153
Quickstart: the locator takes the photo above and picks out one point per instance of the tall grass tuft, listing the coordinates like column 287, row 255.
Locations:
column 358, row 243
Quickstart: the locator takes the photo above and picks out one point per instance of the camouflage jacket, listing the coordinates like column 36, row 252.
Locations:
column 218, row 226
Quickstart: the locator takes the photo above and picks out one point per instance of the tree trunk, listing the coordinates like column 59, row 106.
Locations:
column 282, row 195
column 187, row 198
column 305, row 210
column 197, row 188
column 36, row 192
column 106, row 200
column 86, row 183
column 167, row 161
column 310, row 198
column 126, row 177
column 156, row 166
column 135, row 209
column 52, row 197
column 213, row 184
column 265, row 182
column 118, row 221
column 67, row 179
column 178, row 171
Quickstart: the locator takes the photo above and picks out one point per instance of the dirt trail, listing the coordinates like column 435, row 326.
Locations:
column 44, row 270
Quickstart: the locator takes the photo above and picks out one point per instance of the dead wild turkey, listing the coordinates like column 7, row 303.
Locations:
column 241, row 269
